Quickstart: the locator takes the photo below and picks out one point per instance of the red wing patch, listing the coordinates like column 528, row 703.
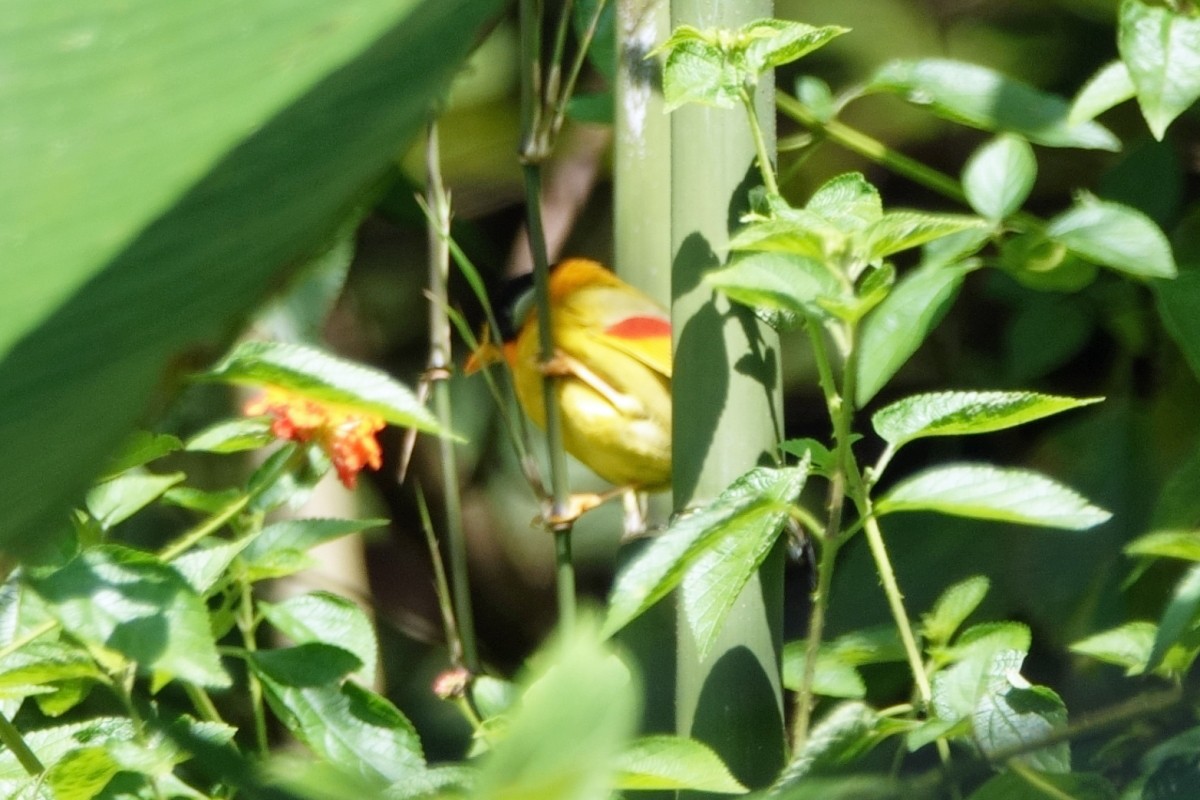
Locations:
column 640, row 328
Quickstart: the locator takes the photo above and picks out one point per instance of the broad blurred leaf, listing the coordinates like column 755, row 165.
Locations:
column 983, row 98
column 834, row 677
column 142, row 448
column 1179, row 307
column 325, row 617
column 118, row 499
column 233, row 436
column 842, row 736
column 587, row 698
column 1183, row 544
column 1013, row 714
column 1115, row 236
column 1126, row 645
column 1039, row 785
column 1110, row 86
column 1179, row 616
column 959, row 413
column 673, row 763
column 847, row 201
column 898, row 325
column 952, row 608
column 981, row 491
column 754, row 503
column 282, row 547
column 130, row 602
column 1161, row 49
column 164, row 163
column 775, row 42
column 316, row 375
column 999, row 176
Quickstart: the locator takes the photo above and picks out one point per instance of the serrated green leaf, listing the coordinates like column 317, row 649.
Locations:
column 783, row 288
column 326, row 617
column 696, row 70
column 952, row 609
column 847, row 787
column 1169, row 544
column 999, row 176
column 587, row 697
column 841, row 737
column 1039, row 785
column 673, row 763
column 1110, row 86
column 149, row 220
column 281, row 547
column 896, row 231
column 233, row 436
column 775, row 42
column 320, row 376
column 981, row 491
column 348, row 725
column 894, row 330
column 1013, row 714
column 834, row 676
column 758, row 499
column 1161, row 49
column 204, row 565
column 118, row 499
column 308, row 665
column 130, row 602
column 958, row 687
column 45, row 661
column 848, row 202
column 797, row 231
column 1127, row 645
column 82, row 773
column 1115, row 236
column 1178, row 617
column 983, row 98
column 53, row 743
column 961, row 413
column 141, row 448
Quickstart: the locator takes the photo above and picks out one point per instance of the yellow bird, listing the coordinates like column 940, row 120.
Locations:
column 613, row 364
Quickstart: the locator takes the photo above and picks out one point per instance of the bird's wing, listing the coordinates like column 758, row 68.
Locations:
column 626, row 322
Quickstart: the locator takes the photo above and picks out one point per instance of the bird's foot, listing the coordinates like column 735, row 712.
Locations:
column 576, row 506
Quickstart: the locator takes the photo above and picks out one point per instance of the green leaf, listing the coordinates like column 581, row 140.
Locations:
column 983, row 98
column 901, row 230
column 44, row 662
column 1169, row 544
column 308, row 665
column 204, row 565
column 957, row 689
column 775, row 42
column 673, row 763
column 587, row 697
column 795, row 231
column 999, row 176
column 834, row 677
column 130, row 602
column 52, row 744
column 758, row 500
column 1014, row 714
column 697, row 70
column 1179, row 307
column 847, row 787
column 118, row 499
column 1045, row 265
column 195, row 499
column 233, row 436
column 1110, row 86
column 848, row 202
column 1161, row 49
column 1127, row 645
column 1115, row 236
column 952, row 609
column 139, row 449
column 165, row 165
column 319, row 376
column 1179, row 616
column 716, row 576
column 981, row 491
column 82, row 773
column 782, row 288
column 960, row 413
column 326, row 617
column 1039, row 785
column 898, row 325
column 347, row 725
column 281, row 548
column 842, row 736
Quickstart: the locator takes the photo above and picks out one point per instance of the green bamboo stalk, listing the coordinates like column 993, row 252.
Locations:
column 438, row 373
column 727, row 414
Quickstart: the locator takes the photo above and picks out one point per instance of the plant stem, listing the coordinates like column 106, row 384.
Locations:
column 30, row 635
column 203, row 703
column 760, row 143
column 895, row 600
column 247, row 626
column 438, row 374
column 205, row 528
column 12, row 739
column 816, row 630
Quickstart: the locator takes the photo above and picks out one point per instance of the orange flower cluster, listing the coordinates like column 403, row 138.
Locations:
column 347, row 437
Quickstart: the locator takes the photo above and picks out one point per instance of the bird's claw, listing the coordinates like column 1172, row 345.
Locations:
column 577, row 505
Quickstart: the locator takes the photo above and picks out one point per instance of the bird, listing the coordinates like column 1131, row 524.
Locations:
column 612, row 361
